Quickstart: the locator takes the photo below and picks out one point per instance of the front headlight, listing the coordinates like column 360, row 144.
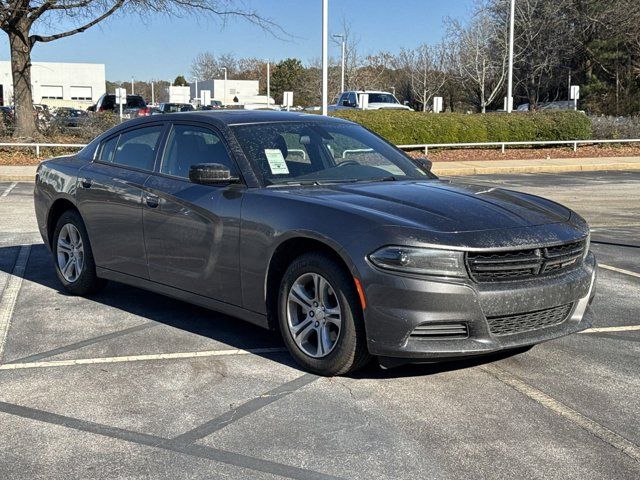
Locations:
column 587, row 244
column 426, row 261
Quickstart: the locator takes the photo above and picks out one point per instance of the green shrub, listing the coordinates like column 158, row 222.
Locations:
column 406, row 128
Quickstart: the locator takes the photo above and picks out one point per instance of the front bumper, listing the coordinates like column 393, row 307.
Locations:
column 397, row 304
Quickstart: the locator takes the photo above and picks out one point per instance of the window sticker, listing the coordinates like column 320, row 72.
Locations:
column 276, row 161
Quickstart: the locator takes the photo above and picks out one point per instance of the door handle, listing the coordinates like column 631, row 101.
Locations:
column 152, row 201
column 86, row 182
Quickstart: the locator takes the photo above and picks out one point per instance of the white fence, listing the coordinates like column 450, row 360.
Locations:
column 38, row 146
column 504, row 145
column 419, row 146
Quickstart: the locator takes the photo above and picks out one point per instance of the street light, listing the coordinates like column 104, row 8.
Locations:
column 224, row 96
column 268, row 82
column 341, row 37
column 325, row 58
column 510, row 85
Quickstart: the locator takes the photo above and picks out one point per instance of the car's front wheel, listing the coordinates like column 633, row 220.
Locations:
column 73, row 257
column 320, row 316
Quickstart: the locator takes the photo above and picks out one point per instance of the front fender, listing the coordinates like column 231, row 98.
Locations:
column 270, row 220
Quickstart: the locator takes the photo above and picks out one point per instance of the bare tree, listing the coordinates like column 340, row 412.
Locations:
column 18, row 18
column 207, row 66
column 425, row 68
column 481, row 55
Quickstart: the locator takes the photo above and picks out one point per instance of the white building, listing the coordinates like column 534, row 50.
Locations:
column 235, row 92
column 58, row 84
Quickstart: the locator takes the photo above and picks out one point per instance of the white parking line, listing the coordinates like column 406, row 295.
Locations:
column 578, row 419
column 10, row 294
column 139, row 358
column 624, row 328
column 9, row 188
column 619, row 270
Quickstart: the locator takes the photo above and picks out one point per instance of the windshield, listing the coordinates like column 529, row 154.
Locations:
column 313, row 153
column 382, row 98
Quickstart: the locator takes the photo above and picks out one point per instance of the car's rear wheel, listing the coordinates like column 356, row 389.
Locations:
column 73, row 257
column 320, row 316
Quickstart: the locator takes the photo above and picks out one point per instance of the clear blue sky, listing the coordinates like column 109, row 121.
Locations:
column 161, row 48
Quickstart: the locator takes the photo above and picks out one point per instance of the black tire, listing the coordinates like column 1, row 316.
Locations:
column 87, row 282
column 350, row 352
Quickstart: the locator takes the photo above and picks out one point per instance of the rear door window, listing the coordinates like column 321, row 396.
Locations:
column 137, row 148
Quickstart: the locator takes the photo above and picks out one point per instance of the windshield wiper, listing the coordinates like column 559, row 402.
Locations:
column 294, row 183
column 390, row 178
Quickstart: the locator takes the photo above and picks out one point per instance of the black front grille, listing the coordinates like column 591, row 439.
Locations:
column 523, row 264
column 526, row 322
column 441, row 331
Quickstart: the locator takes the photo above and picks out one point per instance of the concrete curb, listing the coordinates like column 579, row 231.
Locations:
column 451, row 172
column 17, row 178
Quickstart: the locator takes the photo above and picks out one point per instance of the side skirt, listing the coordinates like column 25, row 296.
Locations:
column 189, row 297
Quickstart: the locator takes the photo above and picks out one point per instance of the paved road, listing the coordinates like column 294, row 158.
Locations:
column 129, row 384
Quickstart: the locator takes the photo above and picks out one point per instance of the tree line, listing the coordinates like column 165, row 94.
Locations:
column 591, row 43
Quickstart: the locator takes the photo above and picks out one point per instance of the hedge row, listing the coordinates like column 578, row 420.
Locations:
column 404, row 127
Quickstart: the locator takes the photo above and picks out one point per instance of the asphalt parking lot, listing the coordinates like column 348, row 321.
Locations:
column 129, row 384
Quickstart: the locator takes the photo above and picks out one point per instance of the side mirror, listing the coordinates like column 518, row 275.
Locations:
column 211, row 174
column 424, row 162
column 346, row 103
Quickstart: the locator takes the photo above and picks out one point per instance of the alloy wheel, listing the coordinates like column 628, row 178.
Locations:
column 314, row 317
column 70, row 252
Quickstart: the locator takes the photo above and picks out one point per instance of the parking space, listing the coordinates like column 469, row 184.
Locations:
column 130, row 384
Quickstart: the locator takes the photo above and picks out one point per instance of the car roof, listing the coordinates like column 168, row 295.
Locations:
column 241, row 117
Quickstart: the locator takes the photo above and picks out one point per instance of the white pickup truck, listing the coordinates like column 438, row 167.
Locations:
column 376, row 101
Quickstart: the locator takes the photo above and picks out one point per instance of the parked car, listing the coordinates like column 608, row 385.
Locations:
column 69, row 117
column 135, row 106
column 319, row 228
column 175, row 107
column 377, row 101
column 7, row 113
column 558, row 105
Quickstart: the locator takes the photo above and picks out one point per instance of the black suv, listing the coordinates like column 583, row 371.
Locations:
column 135, row 107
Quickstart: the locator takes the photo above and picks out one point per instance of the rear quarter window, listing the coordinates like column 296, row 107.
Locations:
column 108, row 149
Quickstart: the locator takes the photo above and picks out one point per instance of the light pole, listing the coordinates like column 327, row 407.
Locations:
column 153, row 97
column 132, row 87
column 196, row 90
column 342, row 42
column 224, row 95
column 510, row 80
column 325, row 59
column 268, row 82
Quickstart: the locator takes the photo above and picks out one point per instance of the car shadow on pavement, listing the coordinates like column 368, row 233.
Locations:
column 199, row 321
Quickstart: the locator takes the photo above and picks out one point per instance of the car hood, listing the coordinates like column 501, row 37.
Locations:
column 440, row 206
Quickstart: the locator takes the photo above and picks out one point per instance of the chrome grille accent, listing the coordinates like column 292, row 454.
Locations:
column 527, row 322
column 523, row 264
column 441, row 331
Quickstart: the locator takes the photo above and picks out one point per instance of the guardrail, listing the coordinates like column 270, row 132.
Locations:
column 38, row 146
column 503, row 145
column 424, row 146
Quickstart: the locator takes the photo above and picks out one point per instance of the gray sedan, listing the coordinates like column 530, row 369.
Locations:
column 318, row 228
